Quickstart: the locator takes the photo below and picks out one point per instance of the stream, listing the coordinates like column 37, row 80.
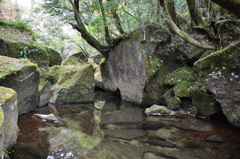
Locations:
column 113, row 129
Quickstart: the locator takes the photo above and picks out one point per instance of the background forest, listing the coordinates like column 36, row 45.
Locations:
column 102, row 24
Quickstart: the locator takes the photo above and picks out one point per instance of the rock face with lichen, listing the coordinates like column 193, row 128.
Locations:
column 22, row 76
column 75, row 82
column 8, row 118
column 220, row 72
column 137, row 65
column 43, row 92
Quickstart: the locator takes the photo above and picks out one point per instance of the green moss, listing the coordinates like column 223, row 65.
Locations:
column 6, row 94
column 42, row 82
column 55, row 57
column 1, row 118
column 182, row 89
column 181, row 74
column 174, row 103
column 18, row 25
column 12, row 65
column 76, row 59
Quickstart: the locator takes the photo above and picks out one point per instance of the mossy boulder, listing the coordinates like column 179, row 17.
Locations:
column 23, row 77
column 135, row 65
column 35, row 52
column 220, row 73
column 44, row 89
column 54, row 57
column 182, row 89
column 179, row 75
column 52, row 74
column 75, row 85
column 8, row 118
column 205, row 104
column 157, row 110
column 76, row 59
column 172, row 101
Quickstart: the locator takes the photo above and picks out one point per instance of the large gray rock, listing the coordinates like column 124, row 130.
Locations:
column 220, row 72
column 136, row 66
column 8, row 118
column 23, row 77
column 75, row 85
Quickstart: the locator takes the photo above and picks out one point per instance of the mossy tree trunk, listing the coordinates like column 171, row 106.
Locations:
column 194, row 12
column 181, row 33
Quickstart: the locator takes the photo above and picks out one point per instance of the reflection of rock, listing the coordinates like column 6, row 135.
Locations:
column 72, row 143
column 126, row 134
column 187, row 123
column 49, row 117
column 125, row 114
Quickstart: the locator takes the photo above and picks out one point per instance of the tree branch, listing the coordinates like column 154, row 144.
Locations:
column 181, row 33
column 107, row 35
column 85, row 35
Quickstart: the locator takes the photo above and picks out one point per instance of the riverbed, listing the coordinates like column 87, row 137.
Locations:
column 113, row 129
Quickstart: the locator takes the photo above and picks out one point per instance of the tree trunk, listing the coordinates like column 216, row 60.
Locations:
column 194, row 12
column 117, row 20
column 107, row 35
column 172, row 11
column 181, row 33
column 85, row 35
column 158, row 12
column 232, row 6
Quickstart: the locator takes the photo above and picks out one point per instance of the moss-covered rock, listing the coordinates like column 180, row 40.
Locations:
column 23, row 77
column 76, row 59
column 75, row 85
column 157, row 110
column 179, row 75
column 182, row 89
column 220, row 73
column 205, row 104
column 172, row 101
column 8, row 118
column 35, row 52
column 136, row 66
column 54, row 57
column 98, row 58
column 52, row 74
column 44, row 89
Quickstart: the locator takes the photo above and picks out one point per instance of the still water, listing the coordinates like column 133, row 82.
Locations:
column 113, row 129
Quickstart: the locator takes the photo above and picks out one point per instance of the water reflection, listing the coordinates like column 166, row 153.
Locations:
column 110, row 128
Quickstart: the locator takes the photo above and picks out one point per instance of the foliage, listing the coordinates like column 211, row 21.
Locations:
column 25, row 52
column 18, row 25
column 4, row 155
